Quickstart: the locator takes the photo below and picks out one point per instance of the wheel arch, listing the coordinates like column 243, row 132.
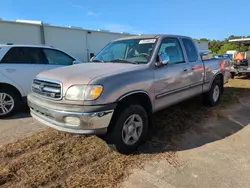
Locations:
column 11, row 87
column 221, row 78
column 140, row 97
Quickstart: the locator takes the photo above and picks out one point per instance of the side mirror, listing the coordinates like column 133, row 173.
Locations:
column 91, row 59
column 206, row 55
column 76, row 62
column 163, row 60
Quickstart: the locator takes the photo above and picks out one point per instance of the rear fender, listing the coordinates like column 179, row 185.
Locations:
column 219, row 75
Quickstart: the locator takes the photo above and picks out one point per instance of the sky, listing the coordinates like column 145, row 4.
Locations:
column 213, row 19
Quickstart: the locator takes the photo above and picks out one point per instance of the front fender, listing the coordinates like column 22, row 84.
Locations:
column 131, row 93
column 118, row 86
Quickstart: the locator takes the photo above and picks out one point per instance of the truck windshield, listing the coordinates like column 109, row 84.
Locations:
column 134, row 51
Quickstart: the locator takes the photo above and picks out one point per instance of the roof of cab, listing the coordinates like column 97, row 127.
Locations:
column 156, row 36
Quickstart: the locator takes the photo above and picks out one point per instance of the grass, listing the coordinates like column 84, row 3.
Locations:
column 54, row 159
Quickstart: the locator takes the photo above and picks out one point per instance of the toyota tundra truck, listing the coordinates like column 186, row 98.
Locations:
column 131, row 78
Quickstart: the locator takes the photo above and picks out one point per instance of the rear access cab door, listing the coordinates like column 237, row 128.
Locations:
column 197, row 66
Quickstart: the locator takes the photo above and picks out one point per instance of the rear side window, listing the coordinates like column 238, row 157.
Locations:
column 190, row 49
column 56, row 57
column 24, row 55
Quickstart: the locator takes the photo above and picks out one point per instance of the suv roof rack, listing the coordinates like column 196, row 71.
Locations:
column 9, row 43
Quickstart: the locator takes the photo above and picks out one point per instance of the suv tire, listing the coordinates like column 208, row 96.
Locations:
column 128, row 130
column 8, row 102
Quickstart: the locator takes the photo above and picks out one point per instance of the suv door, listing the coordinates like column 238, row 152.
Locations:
column 197, row 66
column 22, row 64
column 57, row 58
column 172, row 80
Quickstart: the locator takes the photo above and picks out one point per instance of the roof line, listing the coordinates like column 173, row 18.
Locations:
column 240, row 40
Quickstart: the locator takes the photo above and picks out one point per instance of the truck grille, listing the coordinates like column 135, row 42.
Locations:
column 48, row 89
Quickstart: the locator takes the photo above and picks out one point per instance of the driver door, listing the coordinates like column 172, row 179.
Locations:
column 172, row 80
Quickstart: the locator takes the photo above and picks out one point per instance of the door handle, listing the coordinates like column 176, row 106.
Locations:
column 185, row 69
column 10, row 70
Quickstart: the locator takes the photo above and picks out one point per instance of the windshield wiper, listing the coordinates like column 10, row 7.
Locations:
column 97, row 60
column 123, row 61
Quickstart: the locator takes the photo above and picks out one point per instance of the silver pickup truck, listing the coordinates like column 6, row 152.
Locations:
column 124, row 84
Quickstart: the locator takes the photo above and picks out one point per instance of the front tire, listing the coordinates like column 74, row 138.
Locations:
column 128, row 130
column 8, row 102
column 212, row 97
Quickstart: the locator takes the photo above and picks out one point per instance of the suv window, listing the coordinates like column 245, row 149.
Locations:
column 192, row 53
column 172, row 47
column 25, row 55
column 56, row 57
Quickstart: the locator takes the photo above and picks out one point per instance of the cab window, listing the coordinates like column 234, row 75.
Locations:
column 192, row 53
column 172, row 48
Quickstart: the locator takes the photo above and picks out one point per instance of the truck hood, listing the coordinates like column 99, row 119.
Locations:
column 84, row 73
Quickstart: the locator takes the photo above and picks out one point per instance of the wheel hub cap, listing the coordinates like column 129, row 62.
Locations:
column 216, row 93
column 6, row 103
column 132, row 129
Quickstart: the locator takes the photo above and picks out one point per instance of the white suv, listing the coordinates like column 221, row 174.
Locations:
column 19, row 65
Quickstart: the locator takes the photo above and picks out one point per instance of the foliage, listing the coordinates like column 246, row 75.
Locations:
column 219, row 47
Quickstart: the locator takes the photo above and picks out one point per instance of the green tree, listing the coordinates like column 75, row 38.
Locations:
column 227, row 46
column 217, row 46
column 204, row 39
column 214, row 46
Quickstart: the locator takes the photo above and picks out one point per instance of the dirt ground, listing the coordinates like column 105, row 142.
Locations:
column 193, row 146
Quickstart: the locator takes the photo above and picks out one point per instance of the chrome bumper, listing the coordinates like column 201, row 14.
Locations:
column 72, row 122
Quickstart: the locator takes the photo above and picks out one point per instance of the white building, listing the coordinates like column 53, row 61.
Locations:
column 77, row 41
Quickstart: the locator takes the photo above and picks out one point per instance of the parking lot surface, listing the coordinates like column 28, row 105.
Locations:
column 18, row 126
column 215, row 153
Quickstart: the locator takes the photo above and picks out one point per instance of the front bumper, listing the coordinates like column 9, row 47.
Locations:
column 75, row 121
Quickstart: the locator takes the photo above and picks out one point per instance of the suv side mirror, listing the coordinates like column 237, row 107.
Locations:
column 76, row 62
column 163, row 60
column 91, row 59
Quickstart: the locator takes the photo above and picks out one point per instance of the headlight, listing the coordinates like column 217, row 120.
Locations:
column 84, row 92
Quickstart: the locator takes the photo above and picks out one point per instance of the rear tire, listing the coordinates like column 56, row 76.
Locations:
column 128, row 130
column 212, row 97
column 232, row 75
column 9, row 101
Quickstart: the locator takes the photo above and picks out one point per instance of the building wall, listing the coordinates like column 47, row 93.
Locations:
column 202, row 45
column 97, row 40
column 72, row 41
column 19, row 33
column 76, row 41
